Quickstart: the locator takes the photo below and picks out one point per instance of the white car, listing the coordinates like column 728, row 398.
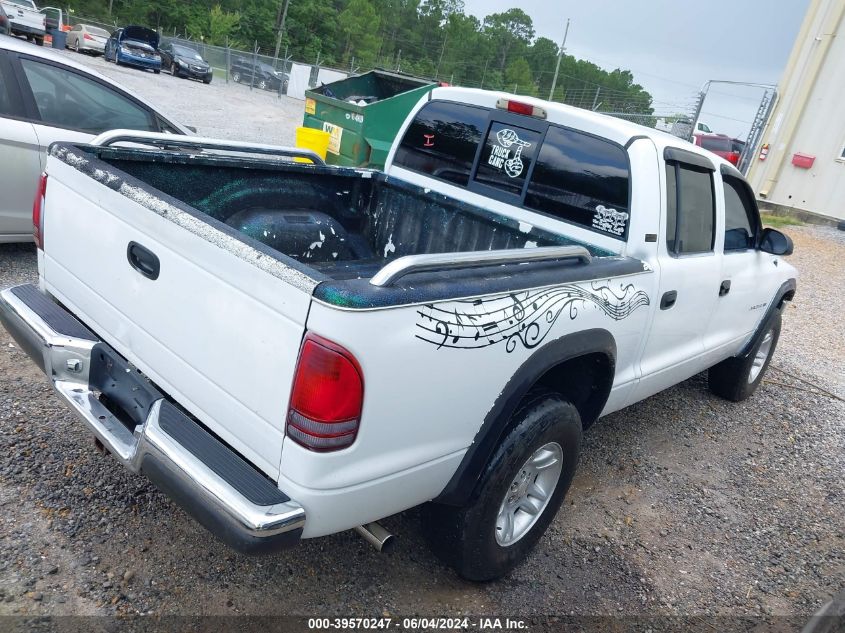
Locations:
column 293, row 350
column 26, row 20
column 84, row 38
column 45, row 97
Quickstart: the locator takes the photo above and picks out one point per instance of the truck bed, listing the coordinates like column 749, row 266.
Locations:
column 336, row 226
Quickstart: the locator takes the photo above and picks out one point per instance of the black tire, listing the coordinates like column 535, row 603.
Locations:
column 156, row 70
column 466, row 537
column 261, row 85
column 76, row 45
column 39, row 40
column 207, row 80
column 732, row 379
column 285, row 87
column 236, row 77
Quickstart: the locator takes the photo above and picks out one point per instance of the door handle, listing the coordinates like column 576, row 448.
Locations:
column 143, row 260
column 725, row 288
column 668, row 299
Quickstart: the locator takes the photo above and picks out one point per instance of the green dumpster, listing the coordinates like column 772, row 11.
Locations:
column 363, row 114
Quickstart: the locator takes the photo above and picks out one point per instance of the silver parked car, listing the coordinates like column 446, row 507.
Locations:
column 45, row 97
column 84, row 38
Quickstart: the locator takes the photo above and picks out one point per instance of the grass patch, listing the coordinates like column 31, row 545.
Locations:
column 778, row 221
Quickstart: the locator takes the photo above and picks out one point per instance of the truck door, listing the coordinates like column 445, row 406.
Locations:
column 748, row 275
column 689, row 270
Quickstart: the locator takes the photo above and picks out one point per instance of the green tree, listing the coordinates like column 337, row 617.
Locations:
column 512, row 30
column 358, row 24
column 518, row 77
column 213, row 27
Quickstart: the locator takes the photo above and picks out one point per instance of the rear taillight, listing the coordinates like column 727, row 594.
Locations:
column 327, row 396
column 38, row 212
column 87, row 37
column 518, row 107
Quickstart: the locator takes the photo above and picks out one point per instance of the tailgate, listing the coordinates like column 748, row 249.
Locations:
column 218, row 328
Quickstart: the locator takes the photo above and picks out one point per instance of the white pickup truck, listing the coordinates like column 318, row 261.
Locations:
column 290, row 350
column 25, row 19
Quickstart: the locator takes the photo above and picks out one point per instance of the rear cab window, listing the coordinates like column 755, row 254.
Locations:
column 542, row 167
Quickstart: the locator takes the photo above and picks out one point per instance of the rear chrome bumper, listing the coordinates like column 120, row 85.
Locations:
column 203, row 475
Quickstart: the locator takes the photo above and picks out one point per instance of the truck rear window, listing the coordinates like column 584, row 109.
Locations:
column 577, row 178
column 442, row 141
column 581, row 179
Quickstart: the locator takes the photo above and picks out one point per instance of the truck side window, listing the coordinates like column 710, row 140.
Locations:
column 583, row 180
column 740, row 216
column 690, row 209
column 442, row 141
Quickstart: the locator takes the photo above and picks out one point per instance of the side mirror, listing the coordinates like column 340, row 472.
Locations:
column 775, row 242
column 194, row 130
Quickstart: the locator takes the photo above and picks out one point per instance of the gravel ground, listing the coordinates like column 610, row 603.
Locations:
column 218, row 110
column 683, row 505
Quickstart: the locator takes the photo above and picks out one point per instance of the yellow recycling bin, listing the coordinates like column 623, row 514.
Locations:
column 315, row 140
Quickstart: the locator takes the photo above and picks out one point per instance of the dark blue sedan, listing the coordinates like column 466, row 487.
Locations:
column 134, row 46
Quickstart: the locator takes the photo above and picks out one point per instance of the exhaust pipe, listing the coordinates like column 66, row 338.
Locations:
column 376, row 536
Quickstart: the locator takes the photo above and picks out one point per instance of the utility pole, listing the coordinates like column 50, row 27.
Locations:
column 280, row 25
column 559, row 55
column 440, row 61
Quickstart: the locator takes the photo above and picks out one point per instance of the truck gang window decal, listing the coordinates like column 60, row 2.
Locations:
column 500, row 155
column 522, row 317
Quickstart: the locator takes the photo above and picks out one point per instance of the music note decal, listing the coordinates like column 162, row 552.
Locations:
column 520, row 317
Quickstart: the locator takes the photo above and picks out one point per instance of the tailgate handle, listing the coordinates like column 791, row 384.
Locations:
column 143, row 260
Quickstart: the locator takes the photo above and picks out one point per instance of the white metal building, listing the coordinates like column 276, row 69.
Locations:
column 804, row 142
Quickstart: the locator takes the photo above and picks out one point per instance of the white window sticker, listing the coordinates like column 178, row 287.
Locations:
column 500, row 155
column 610, row 220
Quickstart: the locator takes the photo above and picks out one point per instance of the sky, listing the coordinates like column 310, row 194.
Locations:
column 674, row 46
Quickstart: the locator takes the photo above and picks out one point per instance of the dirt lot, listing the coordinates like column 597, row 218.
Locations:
column 683, row 504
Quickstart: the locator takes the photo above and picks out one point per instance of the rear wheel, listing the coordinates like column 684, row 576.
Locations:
column 518, row 495
column 262, row 84
column 236, row 77
column 39, row 40
column 76, row 46
column 737, row 378
column 156, row 70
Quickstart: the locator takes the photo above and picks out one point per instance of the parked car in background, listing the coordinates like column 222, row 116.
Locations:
column 134, row 46
column 24, row 19
column 84, row 38
column 45, row 97
column 258, row 74
column 5, row 28
column 720, row 144
column 183, row 61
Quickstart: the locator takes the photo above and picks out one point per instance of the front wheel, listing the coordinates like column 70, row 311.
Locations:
column 518, row 495
column 156, row 70
column 262, row 85
column 737, row 378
